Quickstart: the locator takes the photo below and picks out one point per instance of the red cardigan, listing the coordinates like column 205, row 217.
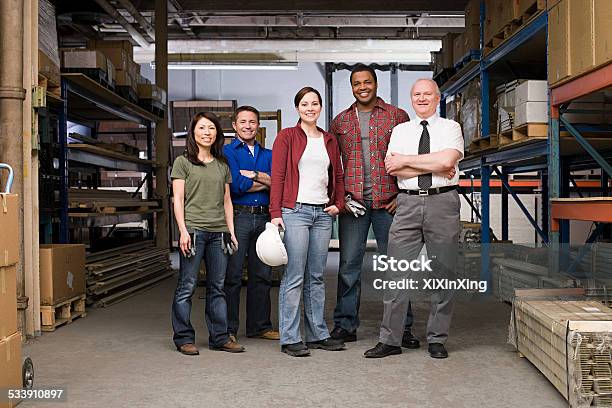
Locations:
column 287, row 151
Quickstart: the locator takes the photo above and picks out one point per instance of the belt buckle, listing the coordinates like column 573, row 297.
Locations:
column 423, row 192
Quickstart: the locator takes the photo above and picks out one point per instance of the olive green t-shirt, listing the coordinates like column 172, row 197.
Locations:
column 204, row 192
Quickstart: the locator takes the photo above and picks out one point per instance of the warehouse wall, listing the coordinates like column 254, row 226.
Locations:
column 272, row 90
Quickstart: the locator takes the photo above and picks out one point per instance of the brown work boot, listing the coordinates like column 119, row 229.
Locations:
column 188, row 349
column 230, row 347
column 270, row 335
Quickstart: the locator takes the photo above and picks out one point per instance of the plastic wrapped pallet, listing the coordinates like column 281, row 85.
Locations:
column 47, row 31
column 569, row 341
column 470, row 112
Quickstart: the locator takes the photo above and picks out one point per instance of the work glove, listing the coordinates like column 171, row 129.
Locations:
column 354, row 207
column 228, row 245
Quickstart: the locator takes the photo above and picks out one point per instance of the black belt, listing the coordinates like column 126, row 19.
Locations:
column 255, row 209
column 431, row 191
column 313, row 205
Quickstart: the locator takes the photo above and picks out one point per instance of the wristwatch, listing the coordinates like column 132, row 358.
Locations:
column 256, row 175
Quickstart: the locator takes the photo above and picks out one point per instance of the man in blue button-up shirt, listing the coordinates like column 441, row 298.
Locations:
column 250, row 165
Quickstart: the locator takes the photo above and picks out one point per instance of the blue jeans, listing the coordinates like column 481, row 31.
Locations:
column 208, row 245
column 307, row 233
column 353, row 235
column 247, row 227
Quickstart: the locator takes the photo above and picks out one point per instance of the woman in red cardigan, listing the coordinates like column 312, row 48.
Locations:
column 307, row 191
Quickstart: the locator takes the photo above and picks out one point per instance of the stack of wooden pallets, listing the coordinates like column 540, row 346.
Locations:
column 116, row 274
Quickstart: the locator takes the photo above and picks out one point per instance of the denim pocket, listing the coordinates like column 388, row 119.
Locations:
column 285, row 210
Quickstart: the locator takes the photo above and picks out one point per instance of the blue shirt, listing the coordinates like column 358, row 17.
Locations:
column 239, row 157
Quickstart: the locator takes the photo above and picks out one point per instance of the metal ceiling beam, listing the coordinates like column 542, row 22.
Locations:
column 127, row 4
column 373, row 21
column 108, row 8
column 174, row 8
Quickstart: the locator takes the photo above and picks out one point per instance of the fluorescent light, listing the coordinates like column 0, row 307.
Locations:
column 265, row 66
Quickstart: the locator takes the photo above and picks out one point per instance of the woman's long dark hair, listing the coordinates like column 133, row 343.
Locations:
column 216, row 149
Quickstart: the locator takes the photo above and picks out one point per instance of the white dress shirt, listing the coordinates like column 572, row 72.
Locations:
column 443, row 134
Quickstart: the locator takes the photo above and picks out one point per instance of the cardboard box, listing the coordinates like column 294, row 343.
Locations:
column 532, row 91
column 150, row 91
column 62, row 272
column 602, row 31
column 558, row 39
column 499, row 13
column 472, row 13
column 448, row 57
column 123, row 78
column 48, row 69
column 471, row 38
column 531, row 112
column 10, row 363
column 581, row 42
column 8, row 301
column 551, row 3
column 134, row 70
column 118, row 57
column 10, row 236
column 125, row 45
column 84, row 59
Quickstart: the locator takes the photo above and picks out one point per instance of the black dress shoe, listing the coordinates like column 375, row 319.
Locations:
column 437, row 350
column 295, row 349
column 328, row 344
column 341, row 334
column 382, row 350
column 409, row 341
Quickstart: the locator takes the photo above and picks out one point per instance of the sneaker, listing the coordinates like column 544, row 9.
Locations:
column 328, row 344
column 342, row 334
column 295, row 349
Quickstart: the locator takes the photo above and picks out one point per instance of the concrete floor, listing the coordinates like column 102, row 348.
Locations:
column 123, row 356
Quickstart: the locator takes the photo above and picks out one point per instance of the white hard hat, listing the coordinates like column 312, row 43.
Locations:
column 270, row 247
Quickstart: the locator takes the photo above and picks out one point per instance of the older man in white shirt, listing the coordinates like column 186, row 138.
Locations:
column 423, row 154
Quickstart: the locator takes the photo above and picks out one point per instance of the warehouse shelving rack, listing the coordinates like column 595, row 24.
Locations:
column 545, row 156
column 86, row 102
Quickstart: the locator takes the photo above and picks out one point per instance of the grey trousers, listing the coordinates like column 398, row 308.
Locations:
column 422, row 220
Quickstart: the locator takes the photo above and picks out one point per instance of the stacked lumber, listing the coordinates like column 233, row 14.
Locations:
column 116, row 274
column 107, row 201
column 568, row 341
column 117, row 147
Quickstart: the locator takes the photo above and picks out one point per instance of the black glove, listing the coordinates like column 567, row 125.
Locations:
column 228, row 245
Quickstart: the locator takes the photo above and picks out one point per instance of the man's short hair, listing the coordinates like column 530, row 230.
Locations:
column 245, row 108
column 434, row 83
column 363, row 68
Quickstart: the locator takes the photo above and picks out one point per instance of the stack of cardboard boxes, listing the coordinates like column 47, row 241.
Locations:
column 579, row 37
column 469, row 40
column 10, row 338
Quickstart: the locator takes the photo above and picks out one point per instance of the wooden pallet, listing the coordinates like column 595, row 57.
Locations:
column 49, row 87
column 482, row 144
column 513, row 26
column 128, row 93
column 528, row 130
column 62, row 313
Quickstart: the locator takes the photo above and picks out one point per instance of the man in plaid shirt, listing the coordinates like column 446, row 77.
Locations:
column 363, row 131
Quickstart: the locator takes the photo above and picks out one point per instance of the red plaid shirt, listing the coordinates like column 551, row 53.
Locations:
column 346, row 128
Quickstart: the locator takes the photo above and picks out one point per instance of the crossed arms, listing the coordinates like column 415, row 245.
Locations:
column 440, row 163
